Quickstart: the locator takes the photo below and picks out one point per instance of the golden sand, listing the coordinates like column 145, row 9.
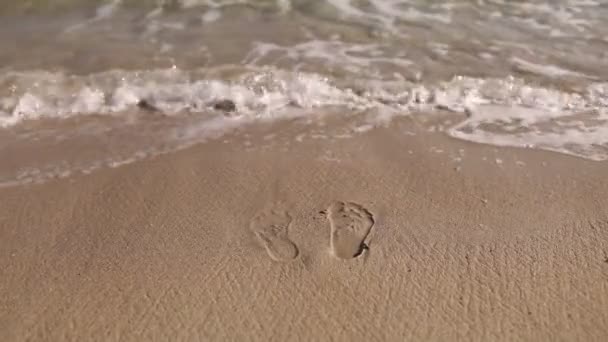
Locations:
column 382, row 237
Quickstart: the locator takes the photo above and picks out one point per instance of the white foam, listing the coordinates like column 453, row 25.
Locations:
column 505, row 112
column 211, row 16
column 534, row 128
column 552, row 71
column 257, row 94
column 103, row 12
column 355, row 59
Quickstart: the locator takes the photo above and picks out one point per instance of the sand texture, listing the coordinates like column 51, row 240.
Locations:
column 385, row 236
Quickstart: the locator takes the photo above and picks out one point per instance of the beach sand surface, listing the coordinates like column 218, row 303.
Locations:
column 393, row 234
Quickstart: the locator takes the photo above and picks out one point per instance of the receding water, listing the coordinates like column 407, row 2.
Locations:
column 529, row 74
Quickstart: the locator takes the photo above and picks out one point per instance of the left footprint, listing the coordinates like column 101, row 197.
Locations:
column 271, row 227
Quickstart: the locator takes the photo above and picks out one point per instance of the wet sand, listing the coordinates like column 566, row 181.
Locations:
column 253, row 238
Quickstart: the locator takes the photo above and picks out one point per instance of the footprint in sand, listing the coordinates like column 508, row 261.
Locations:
column 350, row 224
column 270, row 227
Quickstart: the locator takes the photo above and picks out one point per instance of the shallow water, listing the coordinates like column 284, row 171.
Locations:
column 527, row 74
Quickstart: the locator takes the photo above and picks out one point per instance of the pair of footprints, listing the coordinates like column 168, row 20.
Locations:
column 349, row 224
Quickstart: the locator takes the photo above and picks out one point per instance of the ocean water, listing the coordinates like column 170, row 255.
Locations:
column 146, row 77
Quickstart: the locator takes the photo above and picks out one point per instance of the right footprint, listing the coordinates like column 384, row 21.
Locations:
column 350, row 224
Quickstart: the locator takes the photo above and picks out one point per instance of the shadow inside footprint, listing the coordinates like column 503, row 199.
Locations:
column 270, row 227
column 350, row 224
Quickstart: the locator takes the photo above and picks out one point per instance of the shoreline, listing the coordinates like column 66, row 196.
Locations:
column 505, row 244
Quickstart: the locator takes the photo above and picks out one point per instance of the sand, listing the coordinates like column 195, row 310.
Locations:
column 253, row 237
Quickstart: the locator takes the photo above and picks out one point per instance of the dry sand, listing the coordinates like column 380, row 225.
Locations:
column 228, row 242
